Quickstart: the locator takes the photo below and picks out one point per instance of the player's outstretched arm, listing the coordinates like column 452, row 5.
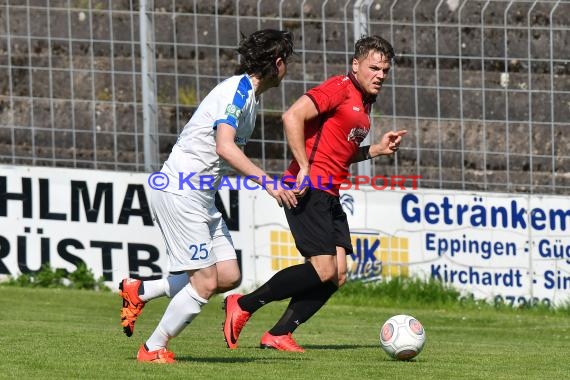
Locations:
column 389, row 143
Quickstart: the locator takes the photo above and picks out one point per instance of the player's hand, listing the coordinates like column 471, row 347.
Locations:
column 390, row 142
column 283, row 197
column 301, row 186
column 299, row 193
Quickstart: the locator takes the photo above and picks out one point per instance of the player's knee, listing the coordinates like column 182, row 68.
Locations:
column 325, row 266
column 341, row 279
column 205, row 287
column 209, row 290
column 234, row 281
column 342, row 275
column 327, row 274
column 229, row 283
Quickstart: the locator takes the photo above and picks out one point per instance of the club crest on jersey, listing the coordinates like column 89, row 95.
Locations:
column 232, row 110
column 357, row 135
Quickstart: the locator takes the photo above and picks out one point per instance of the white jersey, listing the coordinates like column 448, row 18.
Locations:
column 194, row 154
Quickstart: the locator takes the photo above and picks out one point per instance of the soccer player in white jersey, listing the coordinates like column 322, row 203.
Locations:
column 197, row 240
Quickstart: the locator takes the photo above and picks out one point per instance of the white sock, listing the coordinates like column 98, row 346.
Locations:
column 181, row 310
column 169, row 286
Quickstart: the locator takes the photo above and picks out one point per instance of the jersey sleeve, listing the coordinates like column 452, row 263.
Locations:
column 231, row 102
column 329, row 94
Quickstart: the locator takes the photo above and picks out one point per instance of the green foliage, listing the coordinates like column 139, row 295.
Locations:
column 90, row 4
column 415, row 292
column 83, row 278
column 187, row 96
column 47, row 277
column 403, row 290
column 104, row 95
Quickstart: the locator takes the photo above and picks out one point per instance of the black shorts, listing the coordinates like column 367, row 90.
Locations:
column 319, row 224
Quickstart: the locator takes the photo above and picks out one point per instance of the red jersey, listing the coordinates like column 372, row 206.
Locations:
column 334, row 136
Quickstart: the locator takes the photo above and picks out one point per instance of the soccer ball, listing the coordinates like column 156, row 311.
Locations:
column 402, row 337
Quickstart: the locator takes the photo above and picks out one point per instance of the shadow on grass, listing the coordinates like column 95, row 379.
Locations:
column 229, row 360
column 339, row 346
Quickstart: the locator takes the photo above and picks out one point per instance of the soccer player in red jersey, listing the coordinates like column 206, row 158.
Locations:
column 324, row 129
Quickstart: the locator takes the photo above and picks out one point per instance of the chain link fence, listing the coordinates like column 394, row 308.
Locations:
column 483, row 87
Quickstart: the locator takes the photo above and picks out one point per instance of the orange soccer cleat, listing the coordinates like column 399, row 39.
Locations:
column 280, row 342
column 158, row 356
column 236, row 318
column 132, row 304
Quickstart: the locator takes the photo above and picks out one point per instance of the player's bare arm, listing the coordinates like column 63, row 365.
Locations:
column 227, row 149
column 294, row 120
column 389, row 143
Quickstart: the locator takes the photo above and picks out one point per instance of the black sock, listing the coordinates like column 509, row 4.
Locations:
column 302, row 307
column 286, row 283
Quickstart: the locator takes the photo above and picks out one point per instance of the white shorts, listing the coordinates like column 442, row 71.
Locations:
column 195, row 234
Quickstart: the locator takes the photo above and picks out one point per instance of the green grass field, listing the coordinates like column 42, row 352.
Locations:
column 73, row 334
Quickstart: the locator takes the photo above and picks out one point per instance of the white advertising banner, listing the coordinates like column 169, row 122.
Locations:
column 509, row 246
column 62, row 217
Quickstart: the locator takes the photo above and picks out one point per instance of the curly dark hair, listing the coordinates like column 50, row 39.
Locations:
column 376, row 43
column 260, row 50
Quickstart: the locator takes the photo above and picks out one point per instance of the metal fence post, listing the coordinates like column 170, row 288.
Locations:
column 360, row 29
column 148, row 84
